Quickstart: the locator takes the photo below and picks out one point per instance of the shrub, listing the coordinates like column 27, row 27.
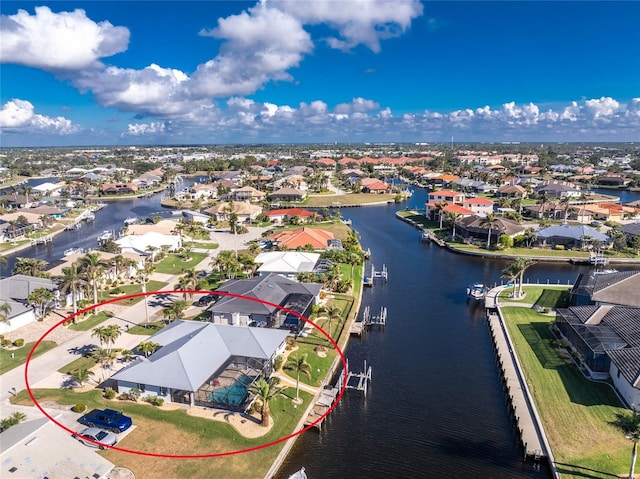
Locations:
column 6, row 343
column 154, row 400
column 505, row 241
column 134, row 394
column 277, row 362
column 18, row 343
column 110, row 394
column 79, row 407
column 559, row 247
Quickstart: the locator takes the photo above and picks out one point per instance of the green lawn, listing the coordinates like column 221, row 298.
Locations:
column 576, row 413
column 147, row 331
column 127, row 289
column 546, row 296
column 89, row 323
column 7, row 363
column 348, row 199
column 173, row 264
column 83, row 362
column 201, row 244
column 319, row 365
column 527, row 252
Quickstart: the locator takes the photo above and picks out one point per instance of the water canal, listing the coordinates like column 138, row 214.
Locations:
column 435, row 408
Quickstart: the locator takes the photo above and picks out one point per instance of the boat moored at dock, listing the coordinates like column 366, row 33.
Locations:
column 477, row 291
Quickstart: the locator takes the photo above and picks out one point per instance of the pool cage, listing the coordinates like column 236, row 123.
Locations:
column 228, row 387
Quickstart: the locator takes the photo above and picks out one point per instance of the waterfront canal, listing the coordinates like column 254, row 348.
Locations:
column 436, row 407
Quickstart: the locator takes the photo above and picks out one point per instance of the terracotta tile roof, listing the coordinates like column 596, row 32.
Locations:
column 291, row 212
column 302, row 237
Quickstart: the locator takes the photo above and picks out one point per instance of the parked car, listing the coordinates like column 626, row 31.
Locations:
column 204, row 300
column 108, row 419
column 95, row 434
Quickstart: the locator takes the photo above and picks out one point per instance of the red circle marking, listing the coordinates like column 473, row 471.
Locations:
column 195, row 456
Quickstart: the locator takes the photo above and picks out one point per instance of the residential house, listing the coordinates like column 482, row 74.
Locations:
column 245, row 211
column 14, row 291
column 288, row 194
column 475, row 227
column 478, row 205
column 374, row 185
column 247, row 193
column 631, row 230
column 613, row 180
column 280, row 216
column 301, row 238
column 571, row 237
column 145, row 243
column 326, row 163
column 260, row 301
column 511, row 191
column 118, row 188
column 610, row 211
column 558, row 190
column 286, row 263
column 204, row 364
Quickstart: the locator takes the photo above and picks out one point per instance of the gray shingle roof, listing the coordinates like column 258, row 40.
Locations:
column 192, row 351
column 627, row 360
column 568, row 231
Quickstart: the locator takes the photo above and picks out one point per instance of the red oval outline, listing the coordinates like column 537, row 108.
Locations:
column 195, row 456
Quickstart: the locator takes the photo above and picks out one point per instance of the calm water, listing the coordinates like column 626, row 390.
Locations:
column 436, row 407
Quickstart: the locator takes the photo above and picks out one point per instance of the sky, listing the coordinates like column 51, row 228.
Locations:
column 316, row 71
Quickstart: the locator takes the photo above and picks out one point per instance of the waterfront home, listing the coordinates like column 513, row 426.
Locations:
column 467, row 184
column 474, row 227
column 374, row 185
column 48, row 189
column 269, row 294
column 620, row 288
column 195, row 216
column 286, row 263
column 203, row 364
column 558, row 190
column 287, row 194
column 613, row 180
column 610, row 211
column 17, row 224
column 128, row 269
column 478, row 205
column 51, row 212
column 118, row 188
column 631, row 230
column 246, row 193
column 570, row 237
column 14, row 291
column 302, row 237
column 511, row 191
column 280, row 216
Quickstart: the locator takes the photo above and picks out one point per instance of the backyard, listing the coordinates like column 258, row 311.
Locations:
column 576, row 413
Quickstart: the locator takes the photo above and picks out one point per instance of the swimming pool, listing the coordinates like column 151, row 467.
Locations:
column 234, row 395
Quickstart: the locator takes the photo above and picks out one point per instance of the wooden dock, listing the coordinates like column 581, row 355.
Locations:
column 531, row 435
column 376, row 274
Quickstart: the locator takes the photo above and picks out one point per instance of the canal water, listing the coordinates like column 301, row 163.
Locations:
column 435, row 407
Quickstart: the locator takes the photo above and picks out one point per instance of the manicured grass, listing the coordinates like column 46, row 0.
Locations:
column 319, row 365
column 175, row 432
column 89, row 323
column 526, row 252
column 7, row 363
column 544, row 296
column 127, row 289
column 199, row 244
column 348, row 199
column 173, row 264
column 147, row 331
column 84, row 362
column 576, row 413
column 9, row 245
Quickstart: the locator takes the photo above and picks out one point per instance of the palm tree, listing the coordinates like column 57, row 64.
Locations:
column 81, row 376
column 104, row 357
column 565, row 202
column 452, row 216
column 265, row 391
column 630, row 426
column 440, row 206
column 509, row 272
column 543, row 200
column 299, row 365
column 490, row 221
column 175, row 310
column 40, row 298
column 333, row 312
column 521, row 265
column 92, row 266
column 31, row 267
column 72, row 281
column 147, row 348
column 226, row 263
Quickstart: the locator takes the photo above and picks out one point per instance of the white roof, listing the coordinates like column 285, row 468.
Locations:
column 286, row 262
column 192, row 351
column 140, row 243
column 46, row 187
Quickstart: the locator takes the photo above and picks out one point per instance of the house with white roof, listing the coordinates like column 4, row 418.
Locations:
column 141, row 244
column 286, row 263
column 204, row 364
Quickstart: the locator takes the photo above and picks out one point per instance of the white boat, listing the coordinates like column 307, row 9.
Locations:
column 105, row 236
column 71, row 251
column 301, row 474
column 477, row 291
column 132, row 220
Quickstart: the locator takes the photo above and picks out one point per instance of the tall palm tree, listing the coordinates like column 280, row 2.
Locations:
column 299, row 365
column 265, row 391
column 72, row 282
column 511, row 274
column 565, row 202
column 452, row 216
column 440, row 206
column 333, row 312
column 521, row 265
column 92, row 266
column 490, row 221
column 630, row 427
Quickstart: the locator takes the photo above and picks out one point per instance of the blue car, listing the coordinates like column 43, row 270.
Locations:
column 108, row 419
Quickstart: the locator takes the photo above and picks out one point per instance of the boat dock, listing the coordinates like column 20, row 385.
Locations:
column 368, row 321
column 381, row 274
column 524, row 413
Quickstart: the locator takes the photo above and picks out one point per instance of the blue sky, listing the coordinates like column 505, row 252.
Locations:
column 283, row 71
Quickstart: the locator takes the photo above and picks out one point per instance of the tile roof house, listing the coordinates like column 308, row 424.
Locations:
column 261, row 301
column 473, row 227
column 244, row 210
column 373, row 185
column 280, row 215
column 480, row 206
column 204, row 364
column 288, row 194
column 302, row 237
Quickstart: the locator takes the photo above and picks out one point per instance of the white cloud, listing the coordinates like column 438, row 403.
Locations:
column 19, row 116
column 140, row 129
column 602, row 107
column 58, row 41
column 357, row 21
